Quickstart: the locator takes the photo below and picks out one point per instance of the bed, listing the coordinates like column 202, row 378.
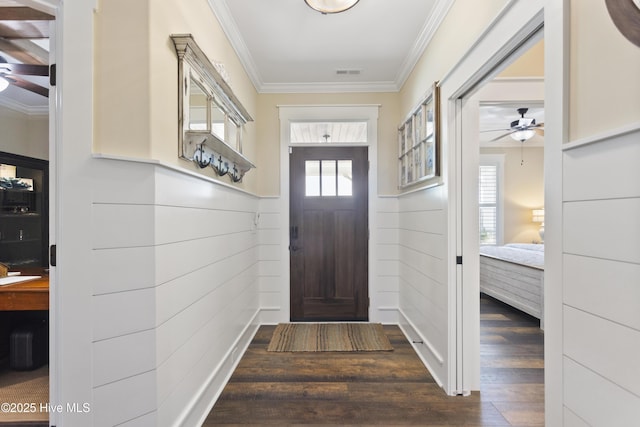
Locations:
column 514, row 274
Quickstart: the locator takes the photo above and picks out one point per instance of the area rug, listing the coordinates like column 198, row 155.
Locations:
column 25, row 394
column 329, row 337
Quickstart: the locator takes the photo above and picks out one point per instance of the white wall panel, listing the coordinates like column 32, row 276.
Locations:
column 387, row 220
column 123, row 269
column 607, row 348
column 135, row 313
column 387, row 268
column 123, row 357
column 122, row 225
column 608, row 289
column 603, row 229
column 388, row 236
column 601, row 291
column 599, row 402
column 188, row 289
column 572, row 420
column 268, row 252
column 603, row 170
column 124, row 400
column 422, row 272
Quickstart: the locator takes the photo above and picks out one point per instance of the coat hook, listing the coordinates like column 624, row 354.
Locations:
column 235, row 177
column 219, row 170
column 200, row 159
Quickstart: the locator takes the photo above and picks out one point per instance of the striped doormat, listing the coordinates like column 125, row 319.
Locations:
column 329, row 337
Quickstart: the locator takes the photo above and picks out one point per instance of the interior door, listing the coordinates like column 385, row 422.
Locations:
column 329, row 234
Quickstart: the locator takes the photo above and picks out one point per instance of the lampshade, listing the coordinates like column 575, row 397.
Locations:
column 331, row 6
column 523, row 135
column 537, row 215
column 4, row 83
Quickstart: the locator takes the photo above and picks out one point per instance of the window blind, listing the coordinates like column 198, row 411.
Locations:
column 488, row 202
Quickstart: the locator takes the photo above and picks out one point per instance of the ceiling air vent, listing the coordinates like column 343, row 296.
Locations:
column 347, row 72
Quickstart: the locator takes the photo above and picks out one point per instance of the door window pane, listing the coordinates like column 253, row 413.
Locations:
column 312, row 177
column 328, row 178
column 345, row 178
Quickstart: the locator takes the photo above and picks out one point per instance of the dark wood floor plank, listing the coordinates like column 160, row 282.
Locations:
column 388, row 388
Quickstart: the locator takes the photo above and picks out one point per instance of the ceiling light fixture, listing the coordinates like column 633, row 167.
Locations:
column 4, row 83
column 523, row 135
column 331, row 6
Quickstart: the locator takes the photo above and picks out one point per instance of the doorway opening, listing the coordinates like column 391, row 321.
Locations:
column 503, row 152
column 25, row 317
column 333, row 127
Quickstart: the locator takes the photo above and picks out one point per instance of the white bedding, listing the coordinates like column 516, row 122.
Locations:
column 531, row 255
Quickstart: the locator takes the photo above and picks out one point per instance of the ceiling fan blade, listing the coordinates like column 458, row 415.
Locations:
column 25, row 69
column 495, row 130
column 540, row 131
column 500, row 137
column 26, row 84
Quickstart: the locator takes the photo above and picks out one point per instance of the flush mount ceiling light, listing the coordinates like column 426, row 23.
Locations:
column 331, row 6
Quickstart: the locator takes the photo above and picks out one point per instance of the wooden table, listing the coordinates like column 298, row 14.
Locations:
column 28, row 295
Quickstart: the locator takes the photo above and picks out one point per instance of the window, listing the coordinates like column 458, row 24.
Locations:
column 490, row 200
column 328, row 178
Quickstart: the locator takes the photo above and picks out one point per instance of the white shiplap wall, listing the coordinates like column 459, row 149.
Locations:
column 601, row 268
column 274, row 283
column 384, row 287
column 177, row 294
column 423, row 284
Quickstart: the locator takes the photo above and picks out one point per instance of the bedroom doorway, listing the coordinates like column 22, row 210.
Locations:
column 506, row 189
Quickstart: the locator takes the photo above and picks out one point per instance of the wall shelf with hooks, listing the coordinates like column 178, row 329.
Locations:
column 210, row 116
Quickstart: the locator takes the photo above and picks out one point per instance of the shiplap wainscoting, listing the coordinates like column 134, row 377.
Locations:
column 601, row 267
column 385, row 265
column 274, row 283
column 176, row 292
column 423, row 275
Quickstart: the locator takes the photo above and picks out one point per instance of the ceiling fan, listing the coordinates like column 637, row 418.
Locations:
column 10, row 74
column 522, row 129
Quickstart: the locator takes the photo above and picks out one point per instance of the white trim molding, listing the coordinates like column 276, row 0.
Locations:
column 602, row 137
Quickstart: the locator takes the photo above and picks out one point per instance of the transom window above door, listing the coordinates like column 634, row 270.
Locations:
column 328, row 178
column 328, row 132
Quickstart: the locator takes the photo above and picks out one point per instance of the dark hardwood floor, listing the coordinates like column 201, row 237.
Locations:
column 389, row 388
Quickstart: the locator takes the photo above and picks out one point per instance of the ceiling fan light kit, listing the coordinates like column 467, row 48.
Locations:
column 4, row 83
column 331, row 6
column 523, row 135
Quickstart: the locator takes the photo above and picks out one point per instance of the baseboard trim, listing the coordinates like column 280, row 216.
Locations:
column 200, row 406
column 410, row 331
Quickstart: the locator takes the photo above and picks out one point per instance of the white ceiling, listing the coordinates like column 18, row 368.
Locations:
column 288, row 47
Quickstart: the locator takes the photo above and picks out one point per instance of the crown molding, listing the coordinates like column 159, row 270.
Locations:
column 24, row 109
column 230, row 28
column 329, row 87
column 439, row 12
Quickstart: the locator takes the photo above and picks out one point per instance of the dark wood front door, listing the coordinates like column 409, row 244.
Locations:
column 329, row 233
